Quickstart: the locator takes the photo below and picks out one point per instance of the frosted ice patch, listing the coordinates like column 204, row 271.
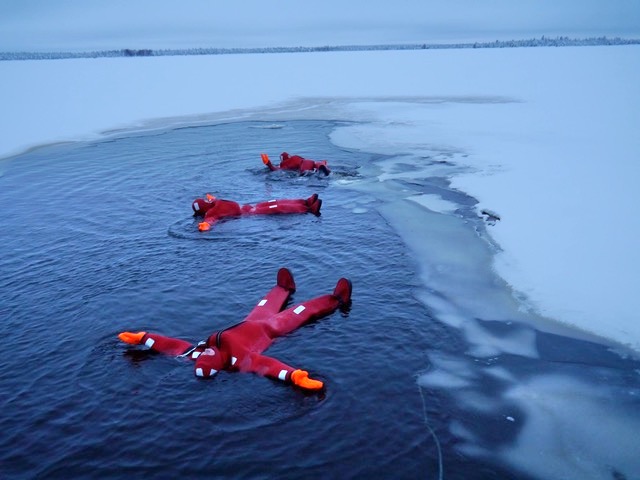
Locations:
column 459, row 268
column 442, row 379
column 447, row 372
column 484, row 343
column 500, row 373
column 461, row 431
column 412, row 167
column 344, row 181
column 299, row 309
column 358, row 206
column 272, row 126
column 568, row 424
column 478, row 402
column 434, row 203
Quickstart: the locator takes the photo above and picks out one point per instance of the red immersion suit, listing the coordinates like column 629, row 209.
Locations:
column 296, row 162
column 213, row 209
column 240, row 347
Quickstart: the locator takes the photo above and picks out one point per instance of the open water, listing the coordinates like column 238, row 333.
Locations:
column 97, row 238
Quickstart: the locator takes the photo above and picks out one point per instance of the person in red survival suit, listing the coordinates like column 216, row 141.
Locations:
column 296, row 162
column 240, row 347
column 213, row 209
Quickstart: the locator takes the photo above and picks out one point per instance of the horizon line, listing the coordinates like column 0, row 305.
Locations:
column 543, row 41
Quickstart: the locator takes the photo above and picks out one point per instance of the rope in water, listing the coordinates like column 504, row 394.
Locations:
column 433, row 434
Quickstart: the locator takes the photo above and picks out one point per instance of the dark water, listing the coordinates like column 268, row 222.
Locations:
column 98, row 238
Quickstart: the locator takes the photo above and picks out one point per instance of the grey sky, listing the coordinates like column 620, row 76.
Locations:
column 97, row 24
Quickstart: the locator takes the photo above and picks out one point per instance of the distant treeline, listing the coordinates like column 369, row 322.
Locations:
column 533, row 42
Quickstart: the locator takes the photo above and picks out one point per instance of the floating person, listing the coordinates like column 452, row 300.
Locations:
column 296, row 162
column 213, row 209
column 239, row 348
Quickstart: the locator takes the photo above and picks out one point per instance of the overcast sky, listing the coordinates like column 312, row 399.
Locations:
column 104, row 24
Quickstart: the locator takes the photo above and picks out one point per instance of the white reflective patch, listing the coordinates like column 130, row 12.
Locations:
column 299, row 309
column 196, row 207
column 272, row 201
column 149, row 343
column 233, row 360
column 262, row 302
column 282, row 375
column 209, row 351
column 195, row 354
column 273, row 206
column 199, row 372
column 212, row 372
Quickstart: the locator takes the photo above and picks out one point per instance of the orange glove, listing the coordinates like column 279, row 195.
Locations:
column 204, row 226
column 302, row 380
column 132, row 338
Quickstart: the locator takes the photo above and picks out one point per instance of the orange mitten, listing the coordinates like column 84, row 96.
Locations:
column 302, row 380
column 132, row 338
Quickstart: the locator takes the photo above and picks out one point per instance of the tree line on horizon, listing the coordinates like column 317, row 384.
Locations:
column 127, row 52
